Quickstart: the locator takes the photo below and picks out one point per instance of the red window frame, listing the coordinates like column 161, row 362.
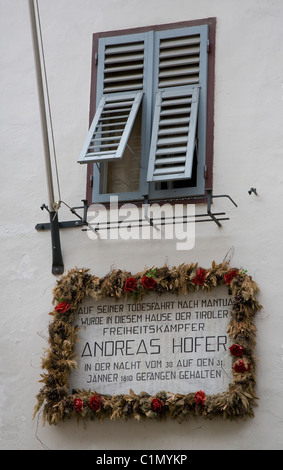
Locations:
column 211, row 22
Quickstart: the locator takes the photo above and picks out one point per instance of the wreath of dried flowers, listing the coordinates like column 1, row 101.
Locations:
column 60, row 404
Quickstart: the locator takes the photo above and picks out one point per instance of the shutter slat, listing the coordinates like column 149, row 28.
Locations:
column 172, row 140
column 121, row 49
column 173, row 130
column 111, row 124
column 115, row 89
column 123, row 78
column 172, row 72
column 179, row 62
column 99, row 139
column 182, row 81
column 181, row 41
column 166, row 122
column 107, row 119
column 117, row 104
column 107, row 131
column 170, row 170
column 105, row 153
column 177, row 101
column 109, row 147
column 171, row 150
column 123, row 68
column 110, row 112
column 93, row 149
column 178, row 111
column 179, row 52
column 170, row 161
column 171, row 156
column 124, row 59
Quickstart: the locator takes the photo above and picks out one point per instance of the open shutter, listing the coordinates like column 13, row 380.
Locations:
column 173, row 134
column 179, row 112
column 111, row 127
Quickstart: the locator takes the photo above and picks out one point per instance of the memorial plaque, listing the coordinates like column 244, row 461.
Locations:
column 159, row 343
column 174, row 343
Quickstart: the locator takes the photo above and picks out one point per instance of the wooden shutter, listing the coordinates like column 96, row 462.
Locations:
column 173, row 134
column 111, row 127
column 180, row 87
column 120, row 89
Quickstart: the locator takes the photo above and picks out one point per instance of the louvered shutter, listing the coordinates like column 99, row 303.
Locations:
column 120, row 86
column 111, row 127
column 173, row 135
column 167, row 70
column 179, row 60
column 123, row 66
column 180, row 79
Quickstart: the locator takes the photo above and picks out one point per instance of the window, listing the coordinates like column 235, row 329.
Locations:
column 151, row 132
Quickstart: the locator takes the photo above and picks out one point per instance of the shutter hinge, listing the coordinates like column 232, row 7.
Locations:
column 91, row 180
column 96, row 58
column 208, row 46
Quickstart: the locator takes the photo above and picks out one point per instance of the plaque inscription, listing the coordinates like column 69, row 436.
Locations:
column 174, row 343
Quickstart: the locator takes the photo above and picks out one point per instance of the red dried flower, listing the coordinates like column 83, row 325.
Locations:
column 95, row 402
column 130, row 285
column 240, row 366
column 200, row 397
column 148, row 282
column 230, row 276
column 237, row 350
column 200, row 277
column 62, row 307
column 156, row 405
column 78, row 405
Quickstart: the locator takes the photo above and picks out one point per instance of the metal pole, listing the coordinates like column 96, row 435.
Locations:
column 57, row 261
column 42, row 107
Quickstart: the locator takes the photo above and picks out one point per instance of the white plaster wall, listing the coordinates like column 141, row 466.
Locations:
column 248, row 152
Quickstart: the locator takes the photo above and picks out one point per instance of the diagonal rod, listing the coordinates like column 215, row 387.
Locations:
column 42, row 107
column 57, row 260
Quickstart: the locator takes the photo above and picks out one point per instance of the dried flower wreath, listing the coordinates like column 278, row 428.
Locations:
column 59, row 403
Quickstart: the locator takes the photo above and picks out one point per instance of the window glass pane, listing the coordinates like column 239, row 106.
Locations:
column 124, row 175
